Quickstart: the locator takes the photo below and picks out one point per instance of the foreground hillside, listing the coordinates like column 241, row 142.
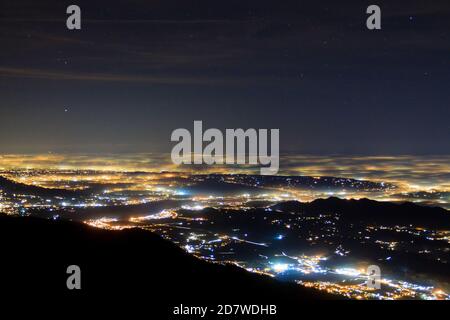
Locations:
column 129, row 265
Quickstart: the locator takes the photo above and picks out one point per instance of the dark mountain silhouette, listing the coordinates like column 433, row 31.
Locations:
column 127, row 266
column 370, row 211
column 12, row 187
column 220, row 188
column 123, row 212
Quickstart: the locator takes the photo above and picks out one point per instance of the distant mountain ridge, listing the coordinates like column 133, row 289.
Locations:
column 10, row 186
column 371, row 211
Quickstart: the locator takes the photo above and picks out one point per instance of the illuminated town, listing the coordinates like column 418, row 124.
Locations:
column 260, row 223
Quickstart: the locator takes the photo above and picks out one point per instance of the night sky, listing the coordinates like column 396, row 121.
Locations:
column 139, row 69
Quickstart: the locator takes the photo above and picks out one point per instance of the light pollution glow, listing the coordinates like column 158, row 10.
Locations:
column 411, row 174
